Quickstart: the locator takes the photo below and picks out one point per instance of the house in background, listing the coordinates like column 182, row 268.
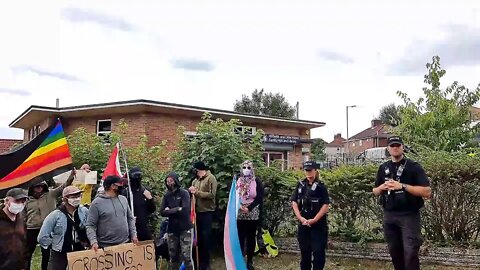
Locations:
column 336, row 148
column 287, row 140
column 374, row 136
column 7, row 144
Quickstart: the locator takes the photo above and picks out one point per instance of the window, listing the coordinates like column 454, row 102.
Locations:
column 104, row 128
column 244, row 130
column 189, row 135
column 360, row 143
column 273, row 158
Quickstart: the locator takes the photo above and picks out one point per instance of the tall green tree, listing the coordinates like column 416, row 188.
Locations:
column 317, row 149
column 390, row 115
column 440, row 120
column 261, row 103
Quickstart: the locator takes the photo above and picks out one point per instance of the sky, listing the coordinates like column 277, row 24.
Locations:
column 324, row 54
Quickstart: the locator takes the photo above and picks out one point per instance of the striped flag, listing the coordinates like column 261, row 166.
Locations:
column 231, row 245
column 46, row 155
column 193, row 218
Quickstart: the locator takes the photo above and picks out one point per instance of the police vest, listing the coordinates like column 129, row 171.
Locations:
column 309, row 199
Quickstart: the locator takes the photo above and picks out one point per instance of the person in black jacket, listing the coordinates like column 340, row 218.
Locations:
column 176, row 206
column 143, row 204
column 250, row 190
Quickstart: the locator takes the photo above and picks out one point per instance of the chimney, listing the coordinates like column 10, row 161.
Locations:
column 337, row 136
column 376, row 122
column 57, row 105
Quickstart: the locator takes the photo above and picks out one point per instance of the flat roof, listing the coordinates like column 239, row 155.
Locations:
column 35, row 114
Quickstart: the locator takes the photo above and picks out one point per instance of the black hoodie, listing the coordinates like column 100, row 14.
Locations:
column 178, row 203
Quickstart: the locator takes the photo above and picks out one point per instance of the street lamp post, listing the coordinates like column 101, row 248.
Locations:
column 347, row 152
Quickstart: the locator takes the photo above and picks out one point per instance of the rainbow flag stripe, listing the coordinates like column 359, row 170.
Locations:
column 46, row 153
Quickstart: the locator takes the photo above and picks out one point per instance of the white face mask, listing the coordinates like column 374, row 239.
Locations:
column 16, row 208
column 247, row 172
column 74, row 202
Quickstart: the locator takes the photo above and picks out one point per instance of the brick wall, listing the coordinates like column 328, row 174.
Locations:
column 355, row 147
column 6, row 144
column 160, row 127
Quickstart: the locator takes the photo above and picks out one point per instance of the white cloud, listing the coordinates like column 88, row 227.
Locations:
column 131, row 50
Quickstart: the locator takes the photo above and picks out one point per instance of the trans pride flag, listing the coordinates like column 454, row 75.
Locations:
column 231, row 245
column 46, row 155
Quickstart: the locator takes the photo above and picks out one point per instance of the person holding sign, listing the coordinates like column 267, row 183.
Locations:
column 85, row 187
column 110, row 221
column 64, row 229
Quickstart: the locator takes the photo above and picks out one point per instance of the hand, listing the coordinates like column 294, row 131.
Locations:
column 244, row 209
column 147, row 194
column 193, row 190
column 394, row 185
column 166, row 208
column 303, row 221
column 311, row 222
column 95, row 247
column 135, row 241
column 383, row 187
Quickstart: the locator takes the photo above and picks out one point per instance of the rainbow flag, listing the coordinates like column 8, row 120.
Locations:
column 231, row 245
column 47, row 155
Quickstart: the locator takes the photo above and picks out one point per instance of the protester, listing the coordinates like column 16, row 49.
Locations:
column 143, row 204
column 85, row 188
column 401, row 183
column 41, row 202
column 204, row 187
column 64, row 229
column 13, row 243
column 176, row 206
column 310, row 204
column 250, row 190
column 110, row 221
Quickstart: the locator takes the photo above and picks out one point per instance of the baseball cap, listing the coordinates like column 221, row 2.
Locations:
column 17, row 193
column 70, row 190
column 310, row 165
column 394, row 140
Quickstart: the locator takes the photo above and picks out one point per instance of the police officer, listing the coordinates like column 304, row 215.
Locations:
column 310, row 204
column 402, row 184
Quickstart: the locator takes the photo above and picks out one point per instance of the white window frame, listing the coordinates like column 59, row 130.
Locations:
column 360, row 143
column 273, row 152
column 244, row 128
column 104, row 132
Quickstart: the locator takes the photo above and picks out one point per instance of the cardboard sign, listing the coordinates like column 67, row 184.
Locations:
column 81, row 177
column 120, row 257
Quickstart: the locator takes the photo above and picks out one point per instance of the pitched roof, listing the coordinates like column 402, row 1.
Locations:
column 337, row 142
column 6, row 144
column 379, row 131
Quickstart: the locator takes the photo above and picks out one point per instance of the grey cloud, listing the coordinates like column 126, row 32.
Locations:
column 192, row 64
column 460, row 47
column 335, row 56
column 15, row 92
column 42, row 72
column 78, row 15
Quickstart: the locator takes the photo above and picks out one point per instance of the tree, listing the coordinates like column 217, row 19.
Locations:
column 441, row 119
column 317, row 149
column 389, row 115
column 262, row 103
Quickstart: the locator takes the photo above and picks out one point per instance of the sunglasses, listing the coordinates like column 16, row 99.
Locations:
column 308, row 170
column 395, row 145
column 247, row 167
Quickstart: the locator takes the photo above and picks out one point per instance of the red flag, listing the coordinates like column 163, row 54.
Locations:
column 193, row 218
column 113, row 164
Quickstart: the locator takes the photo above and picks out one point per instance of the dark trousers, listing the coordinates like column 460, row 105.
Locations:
column 204, row 238
column 312, row 241
column 58, row 261
column 32, row 245
column 403, row 235
column 247, row 232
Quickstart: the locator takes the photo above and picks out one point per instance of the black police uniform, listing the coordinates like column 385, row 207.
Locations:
column 310, row 199
column 401, row 222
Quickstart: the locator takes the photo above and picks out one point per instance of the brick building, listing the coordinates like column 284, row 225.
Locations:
column 374, row 136
column 6, row 144
column 286, row 139
column 336, row 148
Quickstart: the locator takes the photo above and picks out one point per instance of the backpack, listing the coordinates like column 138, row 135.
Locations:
column 265, row 245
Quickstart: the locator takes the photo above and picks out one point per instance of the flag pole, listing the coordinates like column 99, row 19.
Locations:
column 120, row 145
column 196, row 231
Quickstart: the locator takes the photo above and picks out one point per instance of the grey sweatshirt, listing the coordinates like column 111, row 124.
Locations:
column 110, row 221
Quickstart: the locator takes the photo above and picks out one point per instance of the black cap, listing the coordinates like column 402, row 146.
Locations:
column 17, row 193
column 310, row 165
column 110, row 180
column 199, row 165
column 394, row 140
column 135, row 172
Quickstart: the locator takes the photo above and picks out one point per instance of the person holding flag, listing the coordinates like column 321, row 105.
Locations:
column 176, row 206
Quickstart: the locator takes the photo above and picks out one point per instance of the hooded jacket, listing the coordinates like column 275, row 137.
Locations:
column 178, row 202
column 12, row 241
column 38, row 209
column 110, row 221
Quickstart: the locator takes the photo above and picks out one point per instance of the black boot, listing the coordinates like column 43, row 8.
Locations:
column 250, row 265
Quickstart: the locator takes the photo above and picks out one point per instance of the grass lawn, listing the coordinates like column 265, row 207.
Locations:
column 291, row 262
